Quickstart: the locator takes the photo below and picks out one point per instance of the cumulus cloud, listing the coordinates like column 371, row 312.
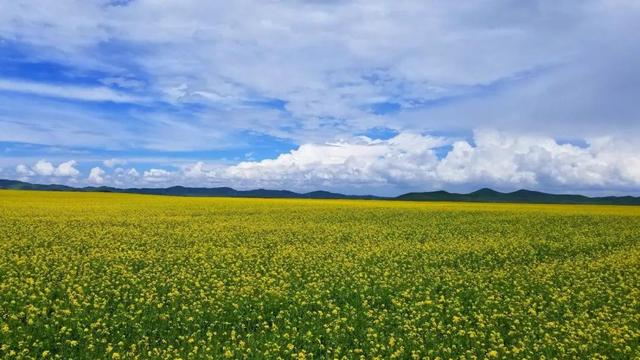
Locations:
column 350, row 162
column 422, row 162
column 196, row 171
column 132, row 172
column 406, row 162
column 123, row 177
column 96, row 175
column 67, row 169
column 44, row 168
column 492, row 159
column 535, row 161
column 157, row 175
column 23, row 170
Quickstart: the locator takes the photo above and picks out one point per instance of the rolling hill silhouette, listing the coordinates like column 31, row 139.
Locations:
column 482, row 195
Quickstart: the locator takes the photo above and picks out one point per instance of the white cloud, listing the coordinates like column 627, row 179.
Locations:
column 409, row 161
column 44, row 168
column 23, row 170
column 133, row 172
column 406, row 162
column 196, row 171
column 85, row 93
column 350, row 162
column 73, row 125
column 114, row 162
column 330, row 61
column 96, row 175
column 67, row 169
column 156, row 175
column 122, row 177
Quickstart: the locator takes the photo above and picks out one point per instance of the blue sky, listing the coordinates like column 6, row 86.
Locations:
column 356, row 96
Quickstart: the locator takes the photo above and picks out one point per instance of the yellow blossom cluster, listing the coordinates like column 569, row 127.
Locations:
column 114, row 276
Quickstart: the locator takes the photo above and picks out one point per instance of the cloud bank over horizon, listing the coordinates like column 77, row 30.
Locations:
column 402, row 163
column 357, row 96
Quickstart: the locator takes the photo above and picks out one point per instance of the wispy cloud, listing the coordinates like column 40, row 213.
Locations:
column 330, row 62
column 73, row 92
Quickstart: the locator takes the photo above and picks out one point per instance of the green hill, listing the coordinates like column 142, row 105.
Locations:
column 482, row 195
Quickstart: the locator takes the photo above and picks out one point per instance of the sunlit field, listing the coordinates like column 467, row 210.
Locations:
column 89, row 275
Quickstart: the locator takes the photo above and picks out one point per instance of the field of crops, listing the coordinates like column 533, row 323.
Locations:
column 117, row 276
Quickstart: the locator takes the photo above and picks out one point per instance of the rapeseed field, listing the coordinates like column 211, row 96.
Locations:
column 113, row 276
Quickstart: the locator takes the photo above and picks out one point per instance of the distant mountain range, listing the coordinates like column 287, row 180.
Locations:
column 185, row 191
column 482, row 195
column 520, row 196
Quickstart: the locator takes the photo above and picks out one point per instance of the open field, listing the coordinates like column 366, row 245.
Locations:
column 89, row 275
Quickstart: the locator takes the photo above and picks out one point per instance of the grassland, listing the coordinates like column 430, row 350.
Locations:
column 87, row 275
